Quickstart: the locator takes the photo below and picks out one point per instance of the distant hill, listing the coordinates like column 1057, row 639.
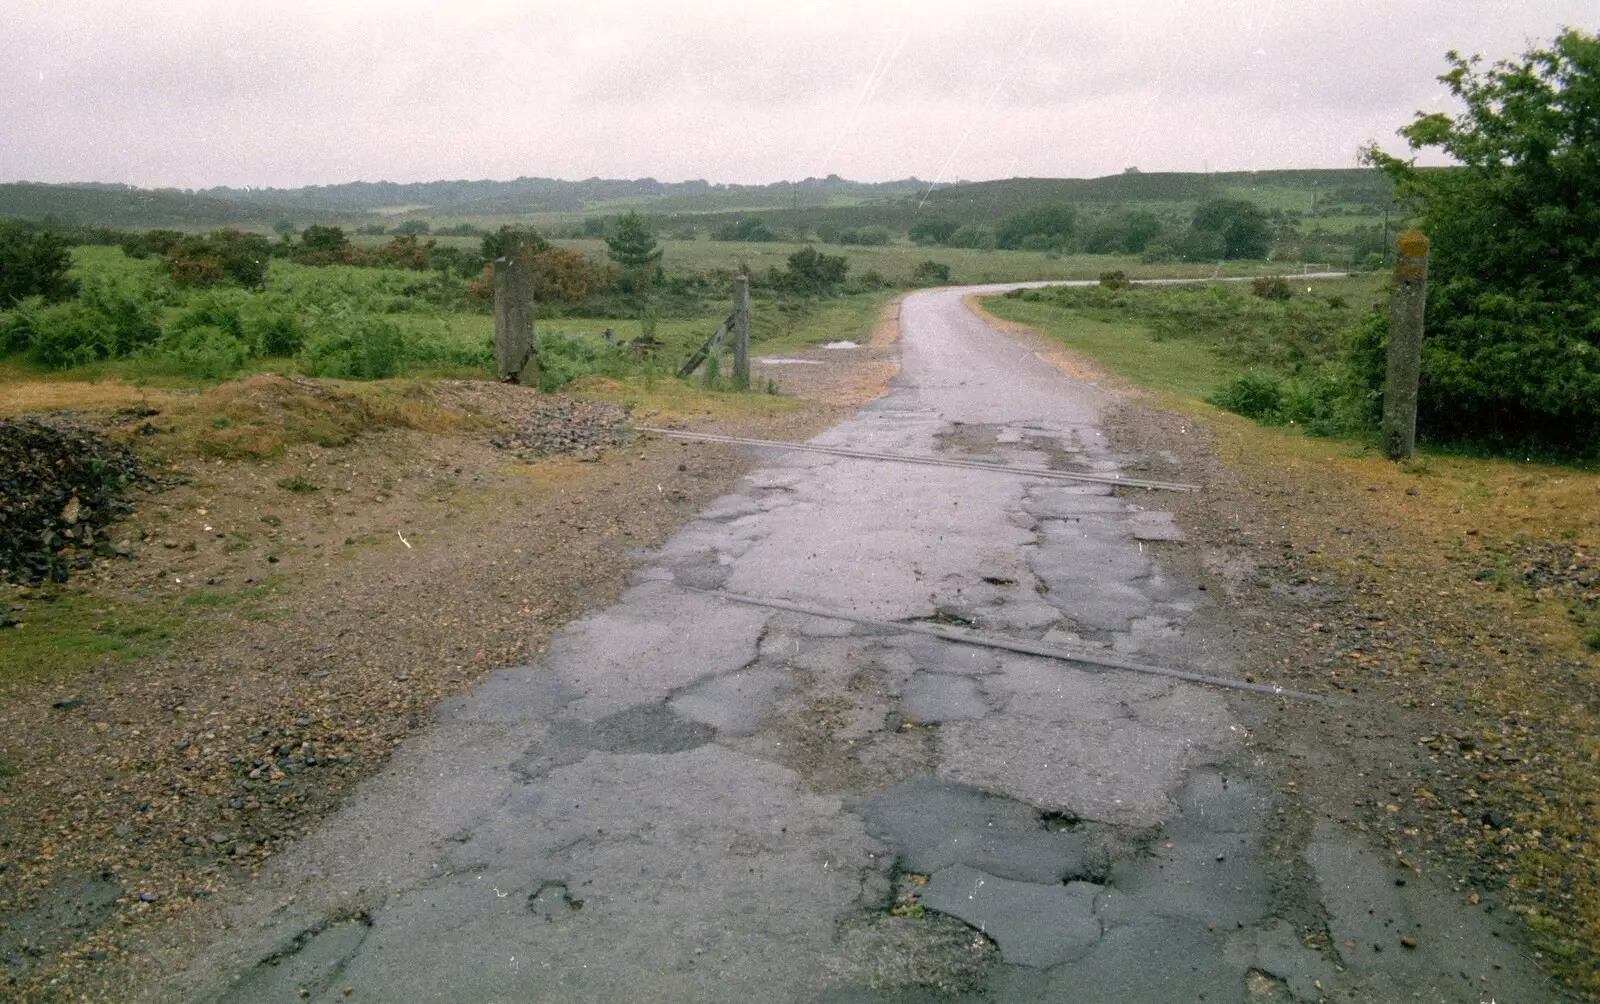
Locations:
column 547, row 195
column 140, row 208
column 788, row 205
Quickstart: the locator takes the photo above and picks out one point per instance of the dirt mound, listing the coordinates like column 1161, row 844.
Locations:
column 60, row 486
column 258, row 417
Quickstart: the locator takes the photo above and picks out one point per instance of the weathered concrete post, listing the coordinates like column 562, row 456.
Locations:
column 1405, row 345
column 741, row 333
column 513, row 313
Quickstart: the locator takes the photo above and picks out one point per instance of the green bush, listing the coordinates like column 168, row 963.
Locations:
column 931, row 273
column 1254, row 395
column 563, row 360
column 1115, row 279
column 207, row 351
column 109, row 320
column 354, row 348
column 810, row 271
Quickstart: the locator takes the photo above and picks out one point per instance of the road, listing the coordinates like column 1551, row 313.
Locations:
column 691, row 799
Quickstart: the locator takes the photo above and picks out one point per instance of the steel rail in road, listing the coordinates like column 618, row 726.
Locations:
column 1017, row 645
column 906, row 458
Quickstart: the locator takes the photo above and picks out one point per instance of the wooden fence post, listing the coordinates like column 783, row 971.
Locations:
column 1405, row 345
column 513, row 314
column 741, row 333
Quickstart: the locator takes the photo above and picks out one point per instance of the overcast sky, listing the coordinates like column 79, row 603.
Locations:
column 282, row 93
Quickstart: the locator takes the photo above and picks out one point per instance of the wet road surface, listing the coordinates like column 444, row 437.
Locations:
column 688, row 799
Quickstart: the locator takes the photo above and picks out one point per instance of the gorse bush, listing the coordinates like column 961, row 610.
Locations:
column 223, row 255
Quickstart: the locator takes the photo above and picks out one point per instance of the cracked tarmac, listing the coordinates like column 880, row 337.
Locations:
column 696, row 800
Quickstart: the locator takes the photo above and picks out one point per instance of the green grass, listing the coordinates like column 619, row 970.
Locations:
column 1181, row 367
column 70, row 632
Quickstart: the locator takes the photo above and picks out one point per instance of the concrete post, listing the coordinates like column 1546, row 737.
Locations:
column 513, row 314
column 741, row 333
column 1405, row 345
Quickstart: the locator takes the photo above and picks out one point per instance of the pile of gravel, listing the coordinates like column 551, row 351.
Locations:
column 60, row 486
column 547, row 426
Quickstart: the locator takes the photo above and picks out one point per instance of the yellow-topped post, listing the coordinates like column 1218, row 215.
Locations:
column 1405, row 345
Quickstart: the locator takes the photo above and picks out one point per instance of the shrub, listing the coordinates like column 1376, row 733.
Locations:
column 208, row 351
column 323, row 245
column 564, row 275
column 220, row 255
column 810, row 271
column 33, row 263
column 412, row 228
column 108, row 321
column 357, row 348
column 405, row 252
column 1255, row 395
column 1116, row 279
column 563, row 360
column 1270, row 287
column 931, row 273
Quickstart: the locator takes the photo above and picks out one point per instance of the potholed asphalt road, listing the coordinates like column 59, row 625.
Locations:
column 689, row 799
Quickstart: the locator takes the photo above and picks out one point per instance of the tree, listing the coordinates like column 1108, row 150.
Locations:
column 33, row 263
column 1512, row 352
column 1042, row 228
column 971, row 236
column 932, row 229
column 1229, row 228
column 632, row 244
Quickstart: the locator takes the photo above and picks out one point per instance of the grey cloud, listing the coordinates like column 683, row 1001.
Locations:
column 280, row 92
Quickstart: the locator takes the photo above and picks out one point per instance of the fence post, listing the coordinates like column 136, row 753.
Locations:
column 741, row 333
column 1405, row 345
column 513, row 313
